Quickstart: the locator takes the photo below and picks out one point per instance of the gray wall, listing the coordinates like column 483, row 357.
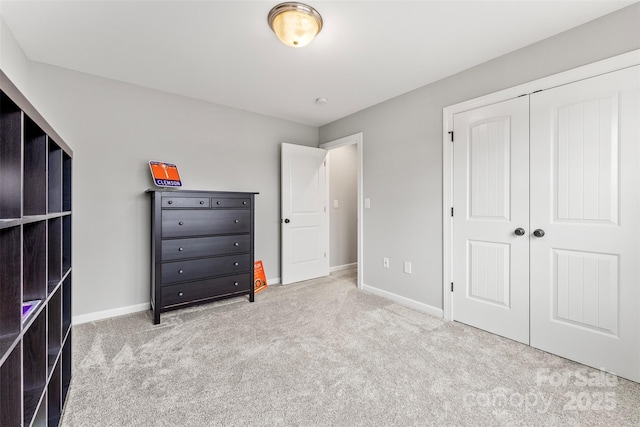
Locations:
column 12, row 59
column 343, row 220
column 117, row 127
column 403, row 150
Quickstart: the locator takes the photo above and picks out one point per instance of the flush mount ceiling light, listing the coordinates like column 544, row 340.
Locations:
column 294, row 23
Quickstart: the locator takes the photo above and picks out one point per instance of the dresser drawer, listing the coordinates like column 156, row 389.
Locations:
column 198, row 247
column 185, row 202
column 180, row 271
column 205, row 289
column 179, row 223
column 223, row 202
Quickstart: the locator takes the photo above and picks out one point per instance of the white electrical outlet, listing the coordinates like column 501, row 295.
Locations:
column 335, row 204
column 407, row 267
column 385, row 262
column 367, row 203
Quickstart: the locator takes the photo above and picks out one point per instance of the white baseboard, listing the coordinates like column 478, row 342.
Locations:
column 274, row 281
column 105, row 314
column 343, row 267
column 426, row 308
column 99, row 315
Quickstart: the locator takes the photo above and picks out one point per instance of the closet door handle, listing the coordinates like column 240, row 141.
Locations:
column 519, row 231
column 538, row 232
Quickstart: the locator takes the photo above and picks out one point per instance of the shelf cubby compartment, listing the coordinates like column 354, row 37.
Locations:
column 54, row 178
column 66, row 368
column 34, row 261
column 66, row 305
column 54, row 397
column 54, row 258
column 35, row 169
column 54, row 330
column 34, row 366
column 10, row 300
column 66, row 243
column 10, row 410
column 10, row 159
column 66, row 182
column 40, row 419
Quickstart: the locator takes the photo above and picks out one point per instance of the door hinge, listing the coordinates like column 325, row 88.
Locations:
column 452, row 211
column 451, row 134
column 451, row 286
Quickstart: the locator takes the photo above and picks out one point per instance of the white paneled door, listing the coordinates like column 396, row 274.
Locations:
column 585, row 197
column 305, row 232
column 491, row 200
column 546, row 228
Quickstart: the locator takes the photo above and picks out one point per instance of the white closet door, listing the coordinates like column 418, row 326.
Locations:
column 585, row 196
column 491, row 200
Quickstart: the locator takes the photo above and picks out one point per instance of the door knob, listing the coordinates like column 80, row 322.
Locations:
column 519, row 231
column 286, row 221
column 538, row 232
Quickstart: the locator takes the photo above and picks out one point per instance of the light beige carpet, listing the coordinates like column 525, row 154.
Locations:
column 322, row 353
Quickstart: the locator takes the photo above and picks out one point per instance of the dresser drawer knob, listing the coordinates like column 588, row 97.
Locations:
column 180, row 223
column 236, row 244
column 236, row 264
column 235, row 283
column 180, row 271
column 180, row 249
column 244, row 203
column 202, row 202
column 170, row 202
column 218, row 202
column 180, row 294
column 236, row 221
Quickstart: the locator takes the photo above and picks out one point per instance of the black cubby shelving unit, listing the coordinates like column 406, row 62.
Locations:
column 35, row 264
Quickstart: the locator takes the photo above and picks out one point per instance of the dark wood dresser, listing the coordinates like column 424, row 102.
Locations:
column 201, row 247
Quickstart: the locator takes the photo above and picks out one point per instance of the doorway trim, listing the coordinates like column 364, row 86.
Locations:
column 357, row 139
column 614, row 63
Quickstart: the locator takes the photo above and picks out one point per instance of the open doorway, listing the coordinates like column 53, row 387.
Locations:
column 344, row 201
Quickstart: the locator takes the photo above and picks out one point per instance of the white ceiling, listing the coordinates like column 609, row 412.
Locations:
column 225, row 53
